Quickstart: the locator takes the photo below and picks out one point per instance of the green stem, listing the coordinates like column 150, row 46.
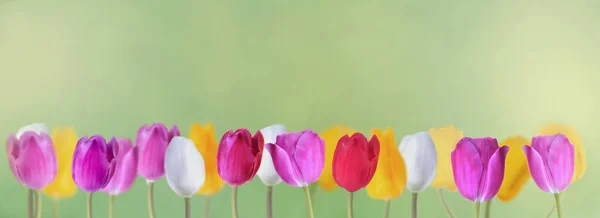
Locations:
column 38, row 204
column 151, row 213
column 386, row 210
column 413, row 211
column 55, row 207
column 30, row 203
column 309, row 202
column 111, row 206
column 444, row 203
column 562, row 194
column 188, row 208
column 558, row 205
column 269, row 201
column 477, row 206
column 234, row 212
column 350, row 203
column 89, row 205
column 488, row 205
column 207, row 207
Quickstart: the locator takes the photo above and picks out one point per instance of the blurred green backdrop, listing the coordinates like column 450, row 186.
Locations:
column 489, row 67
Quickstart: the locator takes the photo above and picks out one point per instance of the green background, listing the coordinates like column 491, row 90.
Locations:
column 492, row 68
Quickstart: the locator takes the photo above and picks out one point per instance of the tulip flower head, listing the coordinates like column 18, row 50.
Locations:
column 152, row 142
column 125, row 168
column 389, row 179
column 94, row 162
column 516, row 173
column 266, row 172
column 551, row 162
column 64, row 141
column 355, row 161
column 31, row 156
column 331, row 137
column 478, row 166
column 239, row 156
column 204, row 139
column 575, row 139
column 420, row 158
column 445, row 140
column 184, row 167
column 298, row 157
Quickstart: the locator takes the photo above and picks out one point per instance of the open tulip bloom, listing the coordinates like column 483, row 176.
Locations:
column 420, row 157
column 125, row 172
column 266, row 172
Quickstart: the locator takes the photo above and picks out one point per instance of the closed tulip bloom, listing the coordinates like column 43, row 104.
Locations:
column 64, row 141
column 420, row 158
column 551, row 162
column 94, row 163
column 445, row 140
column 152, row 142
column 204, row 139
column 331, row 136
column 355, row 161
column 516, row 173
column 478, row 166
column 239, row 156
column 31, row 156
column 389, row 179
column 571, row 133
column 266, row 172
column 298, row 157
column 184, row 167
column 125, row 168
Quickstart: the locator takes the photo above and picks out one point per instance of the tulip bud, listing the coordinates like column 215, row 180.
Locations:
column 389, row 179
column 94, row 162
column 64, row 141
column 516, row 173
column 184, row 167
column 478, row 167
column 355, row 161
column 266, row 172
column 206, row 143
column 125, row 168
column 575, row 139
column 420, row 157
column 152, row 142
column 298, row 157
column 31, row 156
column 551, row 162
column 239, row 156
column 445, row 140
column 331, row 136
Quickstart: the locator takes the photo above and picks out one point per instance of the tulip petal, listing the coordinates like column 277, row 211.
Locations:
column 12, row 150
column 445, row 140
column 266, row 172
column 330, row 137
column 153, row 141
column 561, row 156
column 37, row 128
column 235, row 158
column 36, row 163
column 389, row 179
column 420, row 157
column 494, row 175
column 349, row 168
column 125, row 169
column 516, row 172
column 537, row 169
column 91, row 167
column 184, row 167
column 309, row 156
column 571, row 133
column 467, row 168
column 287, row 170
column 205, row 141
column 174, row 131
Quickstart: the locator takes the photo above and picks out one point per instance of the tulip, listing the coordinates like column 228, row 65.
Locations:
column 354, row 163
column 125, row 172
column 152, row 142
column 551, row 161
column 390, row 177
column 445, row 140
column 266, row 172
column 238, row 158
column 478, row 167
column 94, row 163
column 298, row 158
column 184, row 169
column 32, row 160
column 516, row 173
column 331, row 137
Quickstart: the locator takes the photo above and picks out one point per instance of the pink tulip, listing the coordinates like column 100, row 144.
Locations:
column 551, row 162
column 32, row 158
column 153, row 142
column 125, row 169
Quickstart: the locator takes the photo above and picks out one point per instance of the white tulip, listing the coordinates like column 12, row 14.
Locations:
column 266, row 171
column 184, row 167
column 38, row 128
column 420, row 157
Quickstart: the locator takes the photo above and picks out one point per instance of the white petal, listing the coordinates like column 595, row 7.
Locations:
column 38, row 128
column 266, row 171
column 420, row 156
column 184, row 167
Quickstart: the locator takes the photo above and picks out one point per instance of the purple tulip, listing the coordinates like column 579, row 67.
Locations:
column 298, row 157
column 551, row 162
column 125, row 169
column 153, row 142
column 94, row 162
column 478, row 167
column 32, row 159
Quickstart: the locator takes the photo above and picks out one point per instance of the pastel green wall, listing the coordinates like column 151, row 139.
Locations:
column 496, row 68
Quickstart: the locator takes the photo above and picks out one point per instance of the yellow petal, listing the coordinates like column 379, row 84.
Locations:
column 390, row 177
column 445, row 140
column 64, row 141
column 331, row 137
column 204, row 139
column 516, row 172
column 571, row 133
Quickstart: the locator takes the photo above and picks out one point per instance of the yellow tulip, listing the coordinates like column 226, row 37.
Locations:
column 331, row 137
column 445, row 140
column 571, row 133
column 516, row 172
column 204, row 139
column 390, row 177
column 64, row 141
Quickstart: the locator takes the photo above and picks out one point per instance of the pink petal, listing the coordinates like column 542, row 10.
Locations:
column 285, row 166
column 538, row 169
column 235, row 161
column 310, row 156
column 561, row 161
column 174, row 131
column 36, row 164
column 494, row 175
column 152, row 142
column 486, row 147
column 467, row 168
column 12, row 151
column 288, row 141
column 125, row 171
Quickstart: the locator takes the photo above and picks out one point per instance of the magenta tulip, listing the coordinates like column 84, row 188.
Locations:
column 298, row 157
column 239, row 156
column 478, row 167
column 153, row 142
column 551, row 162
column 125, row 169
column 32, row 158
column 94, row 163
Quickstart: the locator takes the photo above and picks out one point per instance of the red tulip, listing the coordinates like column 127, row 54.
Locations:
column 239, row 156
column 355, row 161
